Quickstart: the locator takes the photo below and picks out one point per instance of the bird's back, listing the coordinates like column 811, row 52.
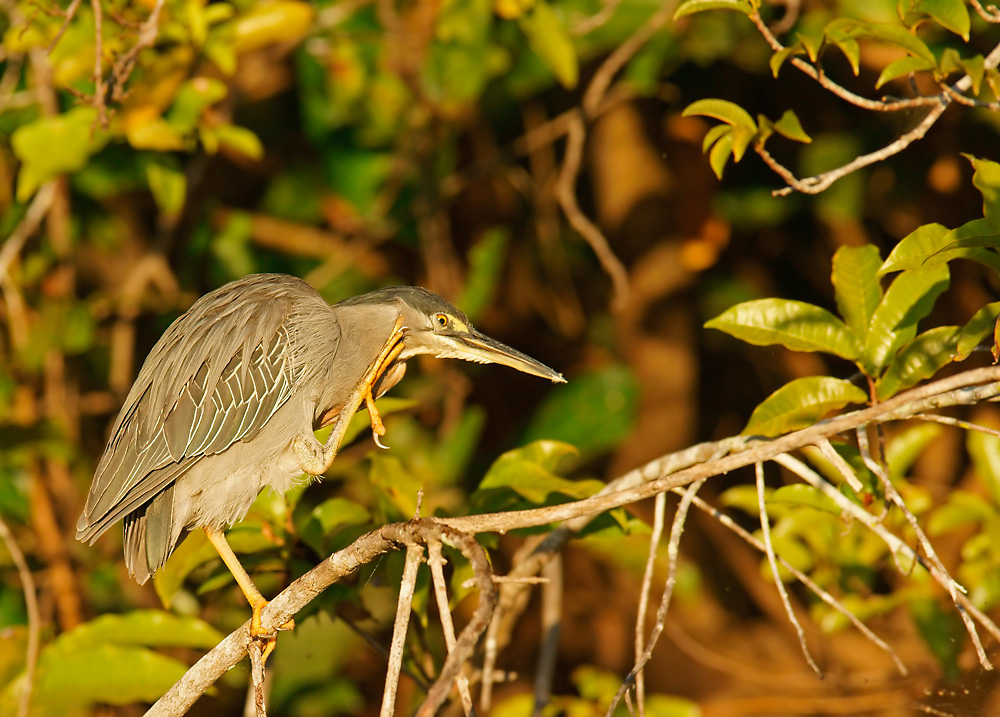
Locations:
column 210, row 384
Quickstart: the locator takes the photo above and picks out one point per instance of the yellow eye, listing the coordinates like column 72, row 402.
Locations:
column 441, row 319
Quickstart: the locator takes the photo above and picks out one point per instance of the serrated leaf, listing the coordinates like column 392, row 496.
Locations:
column 856, row 285
column 690, row 7
column 551, row 41
column 794, row 324
column 924, row 356
column 802, row 495
column 790, row 128
column 908, row 300
column 722, row 110
column 801, row 403
column 902, row 67
column 981, row 325
column 950, row 14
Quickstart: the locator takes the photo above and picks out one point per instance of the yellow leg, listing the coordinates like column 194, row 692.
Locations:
column 250, row 591
column 389, row 353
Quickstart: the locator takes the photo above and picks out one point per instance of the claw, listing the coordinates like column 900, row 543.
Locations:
column 389, row 353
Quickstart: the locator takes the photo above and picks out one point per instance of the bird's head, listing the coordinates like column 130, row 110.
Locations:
column 436, row 328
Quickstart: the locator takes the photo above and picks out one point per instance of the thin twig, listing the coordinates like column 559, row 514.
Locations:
column 33, row 217
column 257, row 677
column 659, row 517
column 843, row 467
column 435, row 560
column 765, row 529
column 673, row 551
column 552, row 601
column 949, row 421
column 69, row 14
column 826, row 597
column 34, row 621
column 414, row 555
column 950, row 584
column 566, row 193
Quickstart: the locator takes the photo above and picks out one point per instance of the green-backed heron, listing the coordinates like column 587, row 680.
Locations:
column 226, row 403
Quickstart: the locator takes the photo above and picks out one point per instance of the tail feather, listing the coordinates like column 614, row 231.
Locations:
column 151, row 535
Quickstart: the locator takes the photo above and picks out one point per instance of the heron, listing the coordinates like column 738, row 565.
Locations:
column 227, row 402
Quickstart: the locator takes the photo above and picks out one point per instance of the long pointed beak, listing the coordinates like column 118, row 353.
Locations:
column 483, row 349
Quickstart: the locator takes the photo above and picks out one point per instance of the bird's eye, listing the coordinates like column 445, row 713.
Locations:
column 441, row 319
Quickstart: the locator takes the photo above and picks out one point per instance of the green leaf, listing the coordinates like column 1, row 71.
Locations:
column 915, row 249
column 713, row 135
column 909, row 299
column 551, row 41
column 802, row 495
column 942, row 632
column 722, row 110
column 801, row 403
column 986, row 178
column 486, row 264
column 742, row 137
column 150, row 628
column 901, row 67
column 984, row 451
column 961, row 509
column 721, row 152
column 793, row 324
column 168, row 184
column 856, row 285
column 397, row 485
column 950, row 14
column 896, row 35
column 104, row 673
column 238, row 139
column 919, row 359
column 530, row 472
column 56, row 145
column 790, row 128
column 194, row 551
column 690, row 7
column 982, row 324
column 975, row 68
column 778, row 59
column 594, row 412
column 329, row 518
column 906, row 446
column 194, row 97
column 842, row 35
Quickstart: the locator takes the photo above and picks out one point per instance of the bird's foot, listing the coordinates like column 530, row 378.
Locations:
column 314, row 457
column 386, row 357
column 257, row 631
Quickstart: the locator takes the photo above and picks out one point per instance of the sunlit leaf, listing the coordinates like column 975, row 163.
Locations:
column 984, row 450
column 168, row 184
column 916, row 249
column 194, row 551
column 950, row 14
column 981, row 325
column 896, row 35
column 151, row 628
column 902, row 67
column 530, row 472
column 270, row 23
column 486, row 264
column 713, row 135
column 723, row 110
column 960, row 509
column 328, row 518
column 856, row 285
column 778, row 59
column 909, row 299
column 801, row 403
column 986, row 178
column 924, row 356
column 690, row 7
column 788, row 126
column 907, row 445
column 802, row 495
column 56, row 145
column 793, row 324
column 721, row 151
column 551, row 41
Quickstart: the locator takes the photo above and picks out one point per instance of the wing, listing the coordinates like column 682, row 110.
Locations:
column 215, row 377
